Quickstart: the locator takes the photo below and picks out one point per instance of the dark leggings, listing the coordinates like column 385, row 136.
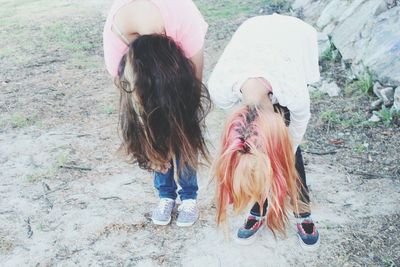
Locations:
column 304, row 197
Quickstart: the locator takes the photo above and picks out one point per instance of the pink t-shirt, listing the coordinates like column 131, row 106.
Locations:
column 183, row 22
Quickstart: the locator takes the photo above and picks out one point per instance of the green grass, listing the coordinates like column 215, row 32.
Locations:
column 331, row 54
column 68, row 37
column 23, row 42
column 345, row 119
column 317, row 95
column 109, row 110
column 225, row 10
column 62, row 158
column 37, row 176
column 330, row 117
column 388, row 262
column 18, row 120
column 387, row 115
column 359, row 148
column 365, row 83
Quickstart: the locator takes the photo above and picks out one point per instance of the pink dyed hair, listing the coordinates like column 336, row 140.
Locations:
column 256, row 162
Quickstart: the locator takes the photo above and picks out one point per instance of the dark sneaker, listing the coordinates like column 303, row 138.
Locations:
column 308, row 233
column 247, row 234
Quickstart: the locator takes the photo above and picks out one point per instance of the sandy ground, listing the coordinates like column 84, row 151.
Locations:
column 68, row 199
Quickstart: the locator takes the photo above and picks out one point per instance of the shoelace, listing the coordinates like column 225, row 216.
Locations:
column 187, row 205
column 163, row 204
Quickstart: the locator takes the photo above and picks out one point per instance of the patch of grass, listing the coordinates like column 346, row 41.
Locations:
column 388, row 262
column 331, row 54
column 35, row 177
column 68, row 37
column 109, row 110
column 279, row 5
column 388, row 115
column 359, row 148
column 330, row 116
column 19, row 121
column 62, row 158
column 226, row 10
column 352, row 118
column 317, row 95
column 345, row 119
column 80, row 60
column 365, row 83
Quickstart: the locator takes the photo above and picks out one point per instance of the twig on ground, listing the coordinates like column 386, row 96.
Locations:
column 368, row 175
column 348, row 178
column 75, row 167
column 129, row 183
column 47, row 192
column 29, row 231
column 112, row 197
column 328, row 152
column 6, row 211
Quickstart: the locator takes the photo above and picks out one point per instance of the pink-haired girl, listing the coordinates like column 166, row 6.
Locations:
column 265, row 67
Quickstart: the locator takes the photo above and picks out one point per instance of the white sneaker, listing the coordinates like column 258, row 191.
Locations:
column 162, row 213
column 188, row 213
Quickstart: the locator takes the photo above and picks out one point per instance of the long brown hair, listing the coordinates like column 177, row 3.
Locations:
column 162, row 104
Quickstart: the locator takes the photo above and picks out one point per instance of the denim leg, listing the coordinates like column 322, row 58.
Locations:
column 165, row 184
column 188, row 182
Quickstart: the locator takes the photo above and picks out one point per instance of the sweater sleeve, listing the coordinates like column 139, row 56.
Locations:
column 299, row 117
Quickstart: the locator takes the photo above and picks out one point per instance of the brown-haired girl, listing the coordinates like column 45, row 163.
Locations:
column 154, row 49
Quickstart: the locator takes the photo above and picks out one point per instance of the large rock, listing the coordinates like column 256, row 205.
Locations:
column 332, row 12
column 346, row 35
column 379, row 49
column 366, row 33
column 396, row 104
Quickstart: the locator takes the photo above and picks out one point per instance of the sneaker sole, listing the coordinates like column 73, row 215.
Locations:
column 182, row 224
column 157, row 222
column 186, row 224
column 309, row 247
column 247, row 241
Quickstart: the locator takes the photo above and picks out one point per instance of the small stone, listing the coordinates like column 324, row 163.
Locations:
column 396, row 98
column 374, row 118
column 332, row 89
column 387, row 162
column 376, row 104
column 311, row 88
column 377, row 90
column 387, row 94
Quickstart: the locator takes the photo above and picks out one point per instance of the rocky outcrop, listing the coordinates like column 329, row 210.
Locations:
column 366, row 32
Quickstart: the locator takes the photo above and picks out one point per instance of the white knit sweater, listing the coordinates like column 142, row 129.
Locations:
column 281, row 49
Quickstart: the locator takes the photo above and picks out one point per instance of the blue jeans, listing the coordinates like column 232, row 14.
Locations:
column 166, row 185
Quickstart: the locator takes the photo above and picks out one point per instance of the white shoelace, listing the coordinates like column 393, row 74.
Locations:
column 188, row 205
column 163, row 204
